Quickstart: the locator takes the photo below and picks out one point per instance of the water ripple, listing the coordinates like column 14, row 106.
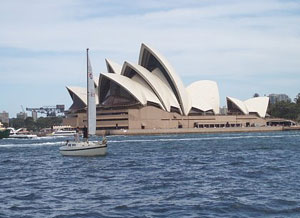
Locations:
column 209, row 175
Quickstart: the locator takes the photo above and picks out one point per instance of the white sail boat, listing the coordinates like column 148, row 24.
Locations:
column 87, row 148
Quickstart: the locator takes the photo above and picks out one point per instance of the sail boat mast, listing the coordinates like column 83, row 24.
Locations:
column 87, row 90
column 91, row 101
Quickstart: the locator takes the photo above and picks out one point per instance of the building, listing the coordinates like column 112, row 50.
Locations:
column 150, row 95
column 4, row 117
column 274, row 98
column 22, row 115
column 223, row 110
column 34, row 115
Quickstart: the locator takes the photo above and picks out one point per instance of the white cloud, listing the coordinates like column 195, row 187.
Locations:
column 225, row 39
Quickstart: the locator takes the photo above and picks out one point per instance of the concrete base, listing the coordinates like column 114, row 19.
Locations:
column 188, row 130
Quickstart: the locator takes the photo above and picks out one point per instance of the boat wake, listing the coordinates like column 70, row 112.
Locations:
column 51, row 141
column 203, row 138
column 32, row 144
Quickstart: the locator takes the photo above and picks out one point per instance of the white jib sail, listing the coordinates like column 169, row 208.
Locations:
column 91, row 100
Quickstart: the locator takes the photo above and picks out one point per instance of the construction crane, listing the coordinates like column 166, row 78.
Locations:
column 22, row 114
column 50, row 111
column 22, row 109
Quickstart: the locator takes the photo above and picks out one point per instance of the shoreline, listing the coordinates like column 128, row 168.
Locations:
column 195, row 130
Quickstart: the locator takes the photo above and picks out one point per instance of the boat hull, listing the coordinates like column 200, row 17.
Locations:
column 4, row 133
column 84, row 149
column 63, row 133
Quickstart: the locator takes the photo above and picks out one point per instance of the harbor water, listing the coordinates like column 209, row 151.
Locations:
column 191, row 175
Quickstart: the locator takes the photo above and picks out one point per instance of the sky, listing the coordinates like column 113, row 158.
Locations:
column 247, row 47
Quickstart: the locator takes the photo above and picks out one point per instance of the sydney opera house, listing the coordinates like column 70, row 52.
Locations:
column 150, row 95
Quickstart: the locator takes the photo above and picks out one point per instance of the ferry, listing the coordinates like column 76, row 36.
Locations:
column 20, row 133
column 4, row 133
column 63, row 131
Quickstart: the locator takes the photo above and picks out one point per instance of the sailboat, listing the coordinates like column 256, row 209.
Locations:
column 87, row 148
column 4, row 133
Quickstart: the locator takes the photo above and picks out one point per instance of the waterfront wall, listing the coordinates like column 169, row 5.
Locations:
column 189, row 130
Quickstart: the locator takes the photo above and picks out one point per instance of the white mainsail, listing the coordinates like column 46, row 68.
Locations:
column 91, row 104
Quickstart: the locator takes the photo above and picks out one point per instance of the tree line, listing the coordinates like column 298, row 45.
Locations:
column 31, row 125
column 286, row 110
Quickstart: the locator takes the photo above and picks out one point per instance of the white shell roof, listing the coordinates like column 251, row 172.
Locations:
column 239, row 104
column 204, row 95
column 96, row 80
column 116, row 68
column 258, row 105
column 162, row 91
column 183, row 99
column 81, row 93
column 155, row 80
column 140, row 92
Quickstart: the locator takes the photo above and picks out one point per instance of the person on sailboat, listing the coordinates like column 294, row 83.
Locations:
column 85, row 133
column 104, row 140
column 76, row 136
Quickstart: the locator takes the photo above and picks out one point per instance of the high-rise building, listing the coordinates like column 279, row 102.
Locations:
column 22, row 115
column 4, row 117
column 274, row 98
column 34, row 115
column 223, row 110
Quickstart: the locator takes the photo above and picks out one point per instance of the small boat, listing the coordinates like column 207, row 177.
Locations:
column 4, row 133
column 20, row 134
column 87, row 148
column 63, row 131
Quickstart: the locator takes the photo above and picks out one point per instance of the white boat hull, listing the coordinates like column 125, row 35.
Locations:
column 63, row 133
column 84, row 149
column 18, row 134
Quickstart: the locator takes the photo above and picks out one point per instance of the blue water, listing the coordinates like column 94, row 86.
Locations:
column 199, row 175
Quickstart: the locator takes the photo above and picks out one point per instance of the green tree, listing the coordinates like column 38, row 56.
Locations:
column 30, row 124
column 17, row 123
column 286, row 110
column 297, row 99
column 48, row 122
